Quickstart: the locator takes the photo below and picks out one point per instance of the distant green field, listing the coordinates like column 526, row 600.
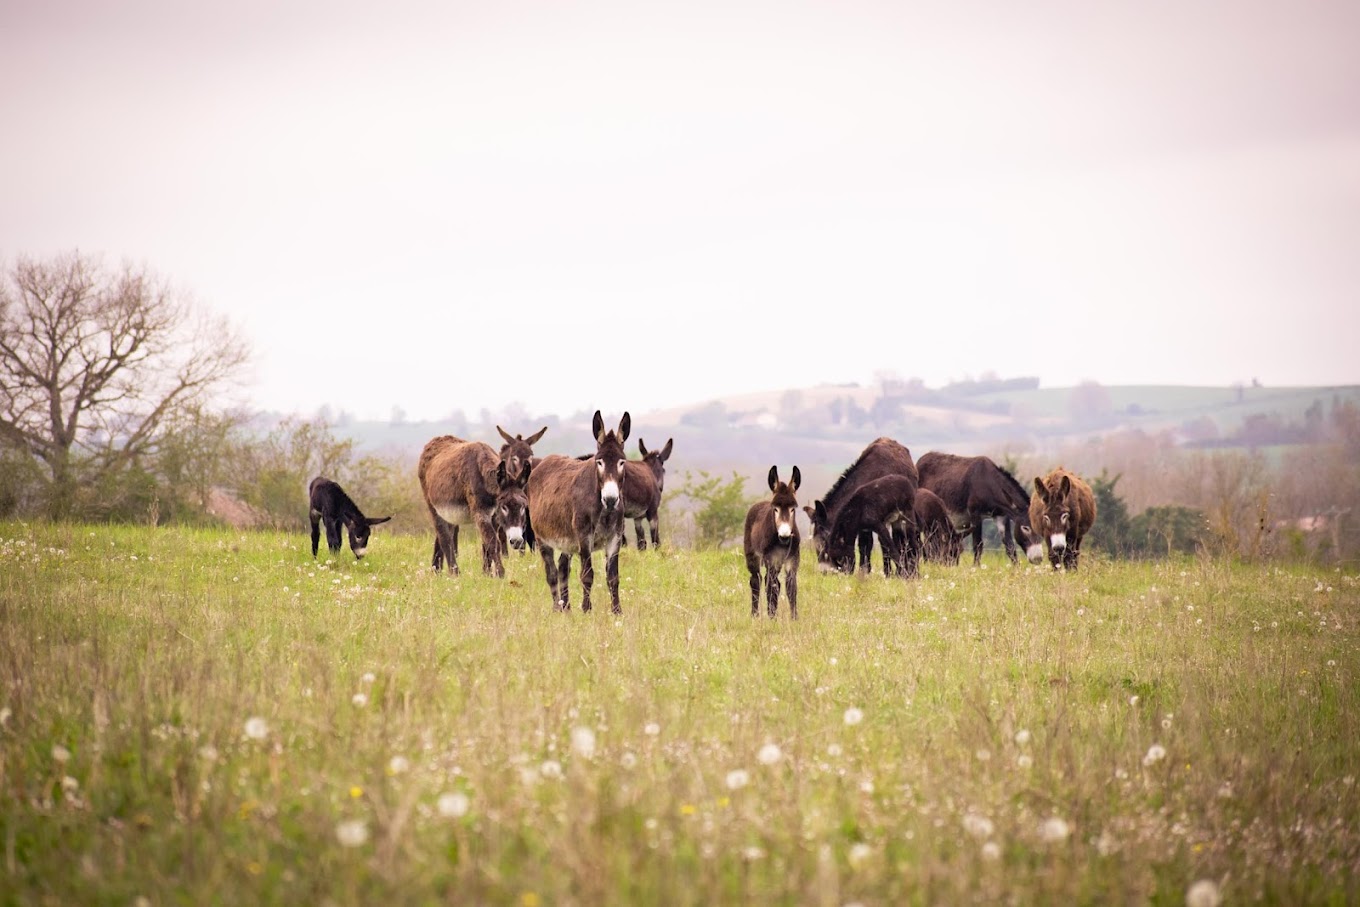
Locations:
column 211, row 717
column 1181, row 403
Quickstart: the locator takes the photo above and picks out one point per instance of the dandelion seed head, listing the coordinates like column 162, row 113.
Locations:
column 769, row 754
column 752, row 853
column 1024, row 760
column 738, row 778
column 352, row 833
column 550, row 768
column 583, row 742
column 368, row 677
column 978, row 826
column 257, row 728
column 398, row 765
column 1022, row 737
column 853, row 716
column 860, row 854
column 1054, row 830
column 834, row 750
column 651, row 729
column 359, row 699
column 628, row 761
column 1156, row 753
column 1203, row 893
column 991, row 851
column 60, row 754
column 453, row 805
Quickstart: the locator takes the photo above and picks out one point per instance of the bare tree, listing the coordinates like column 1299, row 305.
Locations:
column 95, row 366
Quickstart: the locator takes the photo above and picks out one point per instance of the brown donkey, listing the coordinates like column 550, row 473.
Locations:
column 469, row 482
column 1061, row 512
column 883, row 457
column 973, row 489
column 643, row 482
column 887, row 508
column 576, row 506
column 771, row 542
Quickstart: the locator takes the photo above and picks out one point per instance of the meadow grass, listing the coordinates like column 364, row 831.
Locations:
column 193, row 716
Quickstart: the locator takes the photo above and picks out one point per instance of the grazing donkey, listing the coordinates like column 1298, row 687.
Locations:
column 330, row 505
column 643, row 481
column 468, row 482
column 771, row 542
column 972, row 489
column 1061, row 512
column 940, row 544
column 885, row 507
column 883, row 457
column 576, row 506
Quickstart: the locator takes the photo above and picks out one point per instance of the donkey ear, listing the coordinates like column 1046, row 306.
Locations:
column 774, row 477
column 624, row 425
column 373, row 521
column 1039, row 489
column 534, row 438
column 597, row 427
column 506, row 435
column 666, row 451
column 1065, row 487
column 642, row 449
column 810, row 511
column 500, row 472
column 819, row 509
column 796, row 480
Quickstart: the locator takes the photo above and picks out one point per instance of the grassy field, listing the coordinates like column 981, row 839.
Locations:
column 210, row 717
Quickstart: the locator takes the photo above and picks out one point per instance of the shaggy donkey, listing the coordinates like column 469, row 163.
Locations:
column 771, row 542
column 1061, row 512
column 330, row 505
column 885, row 507
column 643, row 481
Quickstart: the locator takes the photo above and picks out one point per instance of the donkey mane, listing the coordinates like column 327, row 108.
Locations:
column 1015, row 483
column 832, row 497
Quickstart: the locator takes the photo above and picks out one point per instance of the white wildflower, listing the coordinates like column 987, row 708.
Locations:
column 583, row 742
column 738, row 778
column 352, row 833
column 257, row 728
column 550, row 768
column 651, row 729
column 359, row 699
column 853, row 716
column 1156, row 753
column 769, row 754
column 1022, row 737
column 1203, row 893
column 978, row 826
column 398, row 765
column 61, row 754
column 453, row 805
column 991, row 851
column 1054, row 830
column 860, row 854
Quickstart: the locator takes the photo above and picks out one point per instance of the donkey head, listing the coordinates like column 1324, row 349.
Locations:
column 835, row 548
column 609, row 459
column 512, row 508
column 656, row 460
column 784, row 503
column 1057, row 515
column 516, row 453
column 359, row 530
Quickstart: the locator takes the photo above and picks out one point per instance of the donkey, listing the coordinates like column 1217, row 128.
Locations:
column 468, row 482
column 940, row 544
column 973, row 489
column 883, row 457
column 886, row 507
column 577, row 506
column 1061, row 512
column 330, row 505
column 643, row 482
column 771, row 541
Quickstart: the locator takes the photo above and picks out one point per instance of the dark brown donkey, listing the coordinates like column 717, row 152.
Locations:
column 576, row 506
column 885, row 507
column 643, row 481
column 330, row 505
column 883, row 457
column 469, row 482
column 973, row 489
column 1061, row 512
column 771, row 542
column 940, row 544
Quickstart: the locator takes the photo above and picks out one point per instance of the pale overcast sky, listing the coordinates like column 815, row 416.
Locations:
column 628, row 205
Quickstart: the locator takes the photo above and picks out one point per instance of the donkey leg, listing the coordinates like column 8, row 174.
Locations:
column 791, row 584
column 611, row 572
column 437, row 557
column 891, row 554
column 1008, row 538
column 866, row 547
column 977, row 542
column 772, row 591
column 316, row 531
column 333, row 540
column 587, row 578
column 549, row 572
column 753, row 566
column 491, row 548
column 639, row 536
column 656, row 534
column 564, row 581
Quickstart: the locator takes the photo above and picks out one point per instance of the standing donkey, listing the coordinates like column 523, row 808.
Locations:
column 577, row 506
column 1061, row 512
column 468, row 482
column 643, row 481
column 771, row 542
column 330, row 505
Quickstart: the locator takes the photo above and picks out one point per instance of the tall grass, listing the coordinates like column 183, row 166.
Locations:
column 202, row 716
